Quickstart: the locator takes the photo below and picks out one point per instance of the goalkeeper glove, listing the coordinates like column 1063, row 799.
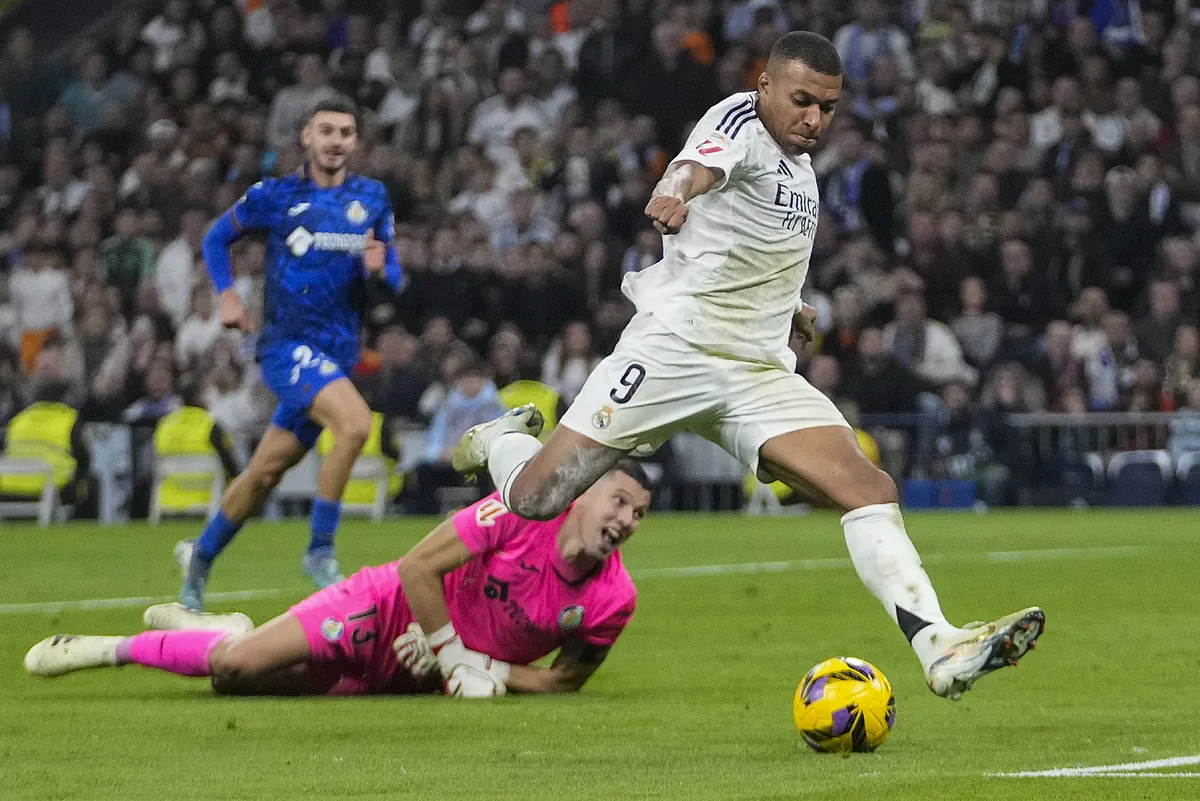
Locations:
column 413, row 651
column 468, row 674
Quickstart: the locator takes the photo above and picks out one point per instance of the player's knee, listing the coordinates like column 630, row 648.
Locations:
column 354, row 430
column 878, row 487
column 231, row 664
column 266, row 479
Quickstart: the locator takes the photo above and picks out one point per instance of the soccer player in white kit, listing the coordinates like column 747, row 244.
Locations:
column 708, row 352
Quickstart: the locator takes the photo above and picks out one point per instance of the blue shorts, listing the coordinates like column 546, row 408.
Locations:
column 296, row 372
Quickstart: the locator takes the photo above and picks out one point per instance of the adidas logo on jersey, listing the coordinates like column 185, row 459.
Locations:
column 784, row 169
column 301, row 241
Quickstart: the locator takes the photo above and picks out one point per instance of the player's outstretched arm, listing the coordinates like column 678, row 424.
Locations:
column 569, row 672
column 683, row 181
column 468, row 673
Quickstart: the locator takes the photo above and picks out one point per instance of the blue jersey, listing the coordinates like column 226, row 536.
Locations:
column 315, row 278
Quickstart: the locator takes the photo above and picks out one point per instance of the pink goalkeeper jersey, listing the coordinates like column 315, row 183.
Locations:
column 518, row 599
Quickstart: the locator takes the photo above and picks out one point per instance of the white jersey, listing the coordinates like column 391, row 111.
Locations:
column 729, row 282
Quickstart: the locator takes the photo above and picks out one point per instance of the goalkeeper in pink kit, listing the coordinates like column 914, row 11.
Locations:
column 466, row 612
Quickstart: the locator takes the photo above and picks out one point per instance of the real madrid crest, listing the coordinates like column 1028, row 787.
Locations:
column 603, row 418
column 570, row 618
column 356, row 212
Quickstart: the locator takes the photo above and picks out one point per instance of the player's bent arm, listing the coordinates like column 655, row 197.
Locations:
column 468, row 674
column 422, row 569
column 686, row 180
column 571, row 669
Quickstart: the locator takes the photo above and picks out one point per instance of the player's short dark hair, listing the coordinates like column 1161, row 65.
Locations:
column 633, row 468
column 340, row 105
column 812, row 48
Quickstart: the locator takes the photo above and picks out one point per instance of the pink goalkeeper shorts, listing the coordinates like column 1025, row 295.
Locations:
column 350, row 628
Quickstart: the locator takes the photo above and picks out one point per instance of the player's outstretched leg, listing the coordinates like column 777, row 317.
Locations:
column 826, row 463
column 340, row 408
column 535, row 482
column 263, row 661
column 277, row 452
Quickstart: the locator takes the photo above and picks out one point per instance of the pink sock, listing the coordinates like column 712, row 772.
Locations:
column 184, row 653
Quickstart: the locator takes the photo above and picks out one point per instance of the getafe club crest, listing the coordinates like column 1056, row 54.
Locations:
column 356, row 213
column 570, row 618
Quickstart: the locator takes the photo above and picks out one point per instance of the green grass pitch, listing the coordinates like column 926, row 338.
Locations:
column 695, row 700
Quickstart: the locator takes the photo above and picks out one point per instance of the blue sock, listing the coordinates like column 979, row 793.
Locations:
column 325, row 516
column 219, row 532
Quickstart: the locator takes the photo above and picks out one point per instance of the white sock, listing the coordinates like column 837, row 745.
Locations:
column 889, row 565
column 508, row 454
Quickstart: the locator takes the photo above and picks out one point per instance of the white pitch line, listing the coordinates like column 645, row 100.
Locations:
column 1126, row 769
column 1061, row 553
column 738, row 568
column 91, row 604
column 687, row 571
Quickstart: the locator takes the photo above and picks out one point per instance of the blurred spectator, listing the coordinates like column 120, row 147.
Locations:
column 41, row 297
column 857, row 192
column 980, row 331
column 175, row 38
column 1057, row 365
column 876, row 381
column 158, row 400
column 499, row 117
column 1156, row 332
column 472, row 400
column 522, row 224
column 1108, row 368
column 126, row 258
column 970, row 442
column 199, row 330
column 569, row 361
column 925, row 346
column 10, row 323
column 869, row 38
column 175, row 270
column 666, row 84
column 101, row 345
column 1182, row 365
column 292, row 105
column 395, row 389
column 825, row 375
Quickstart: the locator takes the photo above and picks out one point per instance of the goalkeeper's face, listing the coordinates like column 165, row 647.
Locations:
column 796, row 104
column 612, row 510
column 329, row 138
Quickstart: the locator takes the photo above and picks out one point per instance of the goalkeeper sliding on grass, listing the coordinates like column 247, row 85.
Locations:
column 495, row 593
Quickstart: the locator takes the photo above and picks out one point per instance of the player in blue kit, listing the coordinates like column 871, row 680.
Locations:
column 329, row 233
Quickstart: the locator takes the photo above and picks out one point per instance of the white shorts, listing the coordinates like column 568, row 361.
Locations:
column 656, row 384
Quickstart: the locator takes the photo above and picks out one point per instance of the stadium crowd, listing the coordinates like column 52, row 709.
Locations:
column 1010, row 197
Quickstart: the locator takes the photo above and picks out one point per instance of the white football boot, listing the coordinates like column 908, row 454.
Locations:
column 471, row 453
column 64, row 653
column 985, row 647
column 177, row 617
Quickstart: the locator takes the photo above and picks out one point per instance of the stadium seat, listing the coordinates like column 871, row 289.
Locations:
column 1139, row 478
column 46, row 508
column 1187, row 479
column 1080, row 478
column 376, row 469
column 198, row 481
